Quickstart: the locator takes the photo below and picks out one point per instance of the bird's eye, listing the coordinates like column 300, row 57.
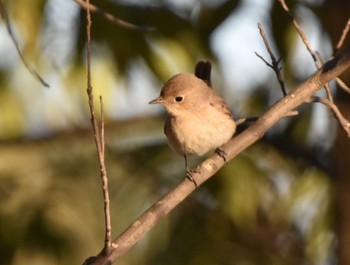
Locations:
column 179, row 98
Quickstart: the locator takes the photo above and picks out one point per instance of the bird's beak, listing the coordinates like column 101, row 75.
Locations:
column 156, row 101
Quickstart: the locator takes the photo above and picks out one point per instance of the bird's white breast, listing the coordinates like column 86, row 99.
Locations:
column 199, row 133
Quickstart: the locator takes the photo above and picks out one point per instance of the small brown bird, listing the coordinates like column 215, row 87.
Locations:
column 198, row 119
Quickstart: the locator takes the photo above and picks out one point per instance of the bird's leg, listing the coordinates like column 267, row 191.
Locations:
column 189, row 174
column 222, row 153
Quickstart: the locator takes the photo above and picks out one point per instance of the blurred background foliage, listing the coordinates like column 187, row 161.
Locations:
column 283, row 201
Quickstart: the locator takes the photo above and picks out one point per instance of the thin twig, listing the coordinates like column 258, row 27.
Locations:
column 113, row 19
column 301, row 33
column 108, row 235
column 341, row 41
column 315, row 55
column 99, row 139
column 275, row 63
column 343, row 36
column 339, row 116
column 342, row 85
column 7, row 22
column 102, row 128
column 326, row 87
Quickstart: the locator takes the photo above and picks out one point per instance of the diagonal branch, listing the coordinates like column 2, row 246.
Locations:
column 339, row 116
column 343, row 36
column 6, row 18
column 342, row 85
column 111, row 18
column 211, row 165
column 301, row 33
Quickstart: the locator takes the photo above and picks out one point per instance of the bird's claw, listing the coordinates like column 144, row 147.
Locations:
column 222, row 153
column 190, row 178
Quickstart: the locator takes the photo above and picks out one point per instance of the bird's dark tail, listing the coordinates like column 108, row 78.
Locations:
column 203, row 71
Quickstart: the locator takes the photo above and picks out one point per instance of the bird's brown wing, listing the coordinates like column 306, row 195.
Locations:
column 222, row 107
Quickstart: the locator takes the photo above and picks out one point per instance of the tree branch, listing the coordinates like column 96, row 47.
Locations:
column 339, row 116
column 113, row 19
column 318, row 61
column 6, row 19
column 315, row 56
column 275, row 63
column 342, row 85
column 345, row 32
column 301, row 33
column 340, row 44
column 99, row 139
column 235, row 146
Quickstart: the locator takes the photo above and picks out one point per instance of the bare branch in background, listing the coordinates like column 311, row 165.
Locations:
column 342, row 85
column 113, row 19
column 7, row 22
column 318, row 61
column 99, row 139
column 342, row 37
column 315, row 56
column 275, row 63
column 340, row 44
column 301, row 33
column 339, row 116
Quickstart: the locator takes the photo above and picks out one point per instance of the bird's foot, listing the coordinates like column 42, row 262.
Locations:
column 222, row 153
column 190, row 178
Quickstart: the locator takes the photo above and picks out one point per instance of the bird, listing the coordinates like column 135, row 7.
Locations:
column 198, row 119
